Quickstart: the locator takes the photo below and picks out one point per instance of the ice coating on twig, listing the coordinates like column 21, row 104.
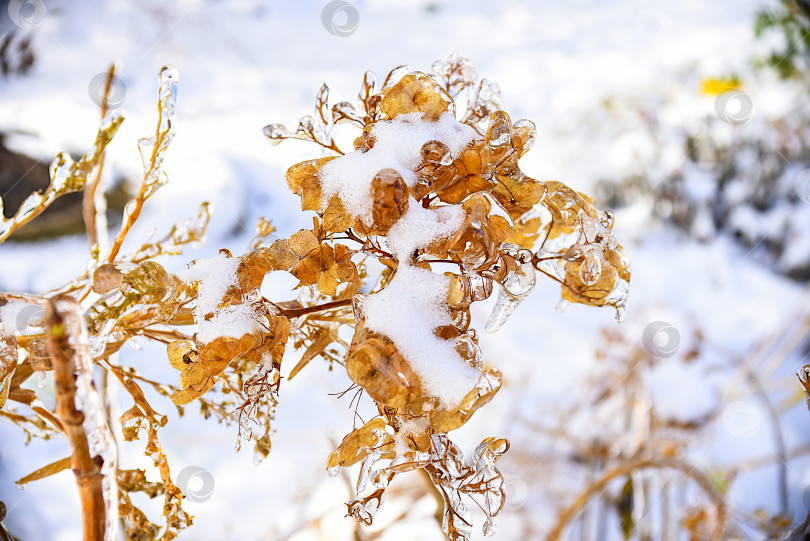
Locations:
column 66, row 176
column 153, row 156
column 100, row 439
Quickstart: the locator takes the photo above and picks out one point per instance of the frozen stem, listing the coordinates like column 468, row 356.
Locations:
column 93, row 207
column 61, row 317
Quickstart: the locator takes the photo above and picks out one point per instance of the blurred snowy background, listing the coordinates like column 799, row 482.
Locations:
column 712, row 201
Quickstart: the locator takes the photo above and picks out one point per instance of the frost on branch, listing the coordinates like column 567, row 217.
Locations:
column 66, row 176
column 95, row 456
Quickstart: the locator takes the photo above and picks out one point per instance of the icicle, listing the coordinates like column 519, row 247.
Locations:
column 504, row 307
column 516, row 286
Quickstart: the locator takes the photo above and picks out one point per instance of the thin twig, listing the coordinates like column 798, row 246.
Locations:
column 143, row 193
column 638, row 463
column 298, row 312
column 93, row 218
column 780, row 448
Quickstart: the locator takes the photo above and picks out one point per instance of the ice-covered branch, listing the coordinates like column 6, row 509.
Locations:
column 78, row 405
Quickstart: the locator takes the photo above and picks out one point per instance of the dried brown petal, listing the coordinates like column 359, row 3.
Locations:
column 525, row 233
column 150, row 281
column 280, row 255
column 390, row 196
column 476, row 243
column 199, row 376
column 378, row 367
column 488, row 384
column 181, row 354
column 303, row 243
column 106, row 278
column 335, row 216
column 437, row 170
column 416, row 92
column 303, row 181
column 359, row 443
column 253, row 266
column 523, row 136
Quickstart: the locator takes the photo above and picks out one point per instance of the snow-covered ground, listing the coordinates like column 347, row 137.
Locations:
column 244, row 64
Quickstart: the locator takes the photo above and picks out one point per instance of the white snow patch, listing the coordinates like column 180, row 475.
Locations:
column 397, row 145
column 234, row 321
column 407, row 310
column 420, row 226
column 214, row 276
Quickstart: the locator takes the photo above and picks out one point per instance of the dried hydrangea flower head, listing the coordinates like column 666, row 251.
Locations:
column 432, row 181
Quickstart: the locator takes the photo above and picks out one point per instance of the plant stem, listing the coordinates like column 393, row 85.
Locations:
column 86, row 469
column 635, row 464
column 92, row 217
column 298, row 312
